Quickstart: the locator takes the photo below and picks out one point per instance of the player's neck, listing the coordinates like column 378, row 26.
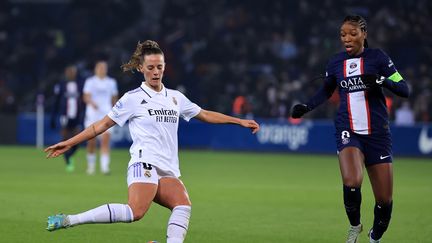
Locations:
column 156, row 88
column 362, row 49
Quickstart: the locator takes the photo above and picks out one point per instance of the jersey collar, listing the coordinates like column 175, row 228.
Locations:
column 151, row 93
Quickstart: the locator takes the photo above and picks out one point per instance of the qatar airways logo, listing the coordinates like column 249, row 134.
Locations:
column 353, row 84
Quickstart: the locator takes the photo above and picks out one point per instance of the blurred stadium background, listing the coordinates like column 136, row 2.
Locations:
column 245, row 58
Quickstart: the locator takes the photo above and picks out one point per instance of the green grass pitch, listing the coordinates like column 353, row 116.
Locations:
column 236, row 197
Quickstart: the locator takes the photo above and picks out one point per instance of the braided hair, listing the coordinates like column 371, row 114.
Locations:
column 361, row 22
column 147, row 47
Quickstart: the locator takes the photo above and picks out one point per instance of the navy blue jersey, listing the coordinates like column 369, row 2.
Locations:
column 361, row 110
column 68, row 102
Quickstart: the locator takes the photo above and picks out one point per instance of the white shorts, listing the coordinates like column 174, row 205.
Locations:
column 140, row 172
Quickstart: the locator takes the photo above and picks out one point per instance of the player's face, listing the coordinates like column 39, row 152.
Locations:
column 71, row 73
column 153, row 68
column 352, row 38
column 101, row 69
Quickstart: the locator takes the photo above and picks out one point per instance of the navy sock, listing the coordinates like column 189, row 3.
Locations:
column 68, row 154
column 382, row 214
column 352, row 201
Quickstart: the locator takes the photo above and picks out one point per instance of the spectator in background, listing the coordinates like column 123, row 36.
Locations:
column 241, row 107
column 7, row 98
column 404, row 115
column 423, row 106
column 100, row 94
column 68, row 107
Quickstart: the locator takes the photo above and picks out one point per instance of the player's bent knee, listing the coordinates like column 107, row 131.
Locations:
column 138, row 211
column 182, row 203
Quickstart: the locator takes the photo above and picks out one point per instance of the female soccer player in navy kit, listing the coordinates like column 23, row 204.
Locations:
column 69, row 106
column 153, row 112
column 362, row 124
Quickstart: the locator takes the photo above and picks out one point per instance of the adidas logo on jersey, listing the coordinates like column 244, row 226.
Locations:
column 143, row 102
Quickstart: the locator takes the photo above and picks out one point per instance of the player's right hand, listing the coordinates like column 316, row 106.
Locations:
column 57, row 149
column 299, row 110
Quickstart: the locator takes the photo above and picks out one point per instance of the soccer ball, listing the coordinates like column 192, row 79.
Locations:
column 153, row 241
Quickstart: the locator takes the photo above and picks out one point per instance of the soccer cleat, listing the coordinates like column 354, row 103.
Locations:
column 107, row 173
column 370, row 237
column 71, row 166
column 353, row 233
column 58, row 221
column 90, row 171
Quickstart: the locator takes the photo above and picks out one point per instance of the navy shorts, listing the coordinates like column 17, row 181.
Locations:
column 376, row 148
column 69, row 123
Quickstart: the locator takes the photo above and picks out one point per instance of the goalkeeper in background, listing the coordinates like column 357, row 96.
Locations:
column 362, row 125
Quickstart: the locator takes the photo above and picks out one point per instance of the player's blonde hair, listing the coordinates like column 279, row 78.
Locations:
column 147, row 47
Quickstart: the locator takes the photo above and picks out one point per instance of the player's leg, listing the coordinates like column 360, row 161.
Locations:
column 68, row 132
column 91, row 156
column 381, row 178
column 105, row 152
column 351, row 167
column 143, row 185
column 173, row 194
column 140, row 198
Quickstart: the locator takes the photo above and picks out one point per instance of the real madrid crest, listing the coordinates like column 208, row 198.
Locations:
column 147, row 173
column 174, row 100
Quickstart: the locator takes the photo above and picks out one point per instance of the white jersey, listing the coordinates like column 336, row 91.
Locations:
column 153, row 124
column 101, row 92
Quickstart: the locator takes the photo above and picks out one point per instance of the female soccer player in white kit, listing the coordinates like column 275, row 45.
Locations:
column 100, row 94
column 153, row 112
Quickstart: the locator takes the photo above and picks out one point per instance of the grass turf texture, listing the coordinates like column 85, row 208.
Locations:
column 237, row 197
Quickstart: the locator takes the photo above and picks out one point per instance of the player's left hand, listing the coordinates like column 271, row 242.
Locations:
column 372, row 80
column 57, row 149
column 253, row 125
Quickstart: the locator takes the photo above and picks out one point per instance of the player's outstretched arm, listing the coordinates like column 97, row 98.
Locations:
column 88, row 133
column 217, row 118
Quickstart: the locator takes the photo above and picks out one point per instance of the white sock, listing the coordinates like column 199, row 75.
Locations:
column 91, row 163
column 104, row 162
column 178, row 224
column 108, row 213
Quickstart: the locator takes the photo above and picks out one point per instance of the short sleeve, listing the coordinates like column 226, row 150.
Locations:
column 386, row 65
column 57, row 89
column 122, row 111
column 329, row 71
column 87, row 86
column 330, row 74
column 188, row 109
column 114, row 87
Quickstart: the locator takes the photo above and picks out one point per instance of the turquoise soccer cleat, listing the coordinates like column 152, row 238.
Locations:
column 58, row 221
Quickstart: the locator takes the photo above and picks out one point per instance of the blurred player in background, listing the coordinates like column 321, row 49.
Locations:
column 362, row 124
column 68, row 107
column 100, row 94
column 153, row 112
